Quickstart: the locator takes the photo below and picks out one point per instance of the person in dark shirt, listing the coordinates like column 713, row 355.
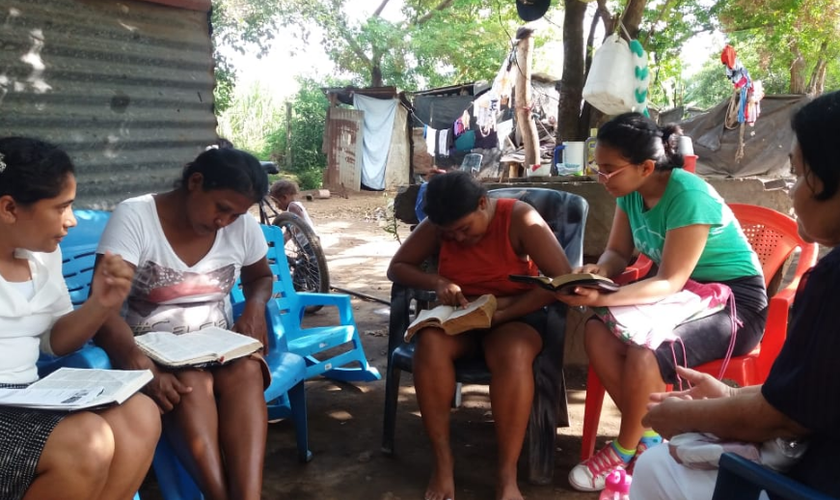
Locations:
column 798, row 401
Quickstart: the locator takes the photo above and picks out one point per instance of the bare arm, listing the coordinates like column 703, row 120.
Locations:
column 531, row 236
column 619, row 249
column 680, row 254
column 256, row 286
column 746, row 416
column 117, row 339
column 111, row 284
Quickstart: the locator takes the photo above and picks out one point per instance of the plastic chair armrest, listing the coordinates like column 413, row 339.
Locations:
column 775, row 332
column 735, row 470
column 635, row 271
column 338, row 300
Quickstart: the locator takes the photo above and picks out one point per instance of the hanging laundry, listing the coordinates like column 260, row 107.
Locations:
column 462, row 124
column 444, row 139
column 749, row 94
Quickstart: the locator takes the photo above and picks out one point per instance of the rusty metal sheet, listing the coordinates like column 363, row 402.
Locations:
column 125, row 87
column 343, row 140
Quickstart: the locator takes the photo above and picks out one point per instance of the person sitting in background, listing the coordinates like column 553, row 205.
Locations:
column 480, row 242
column 680, row 222
column 798, row 401
column 188, row 247
column 84, row 455
column 420, row 204
column 284, row 193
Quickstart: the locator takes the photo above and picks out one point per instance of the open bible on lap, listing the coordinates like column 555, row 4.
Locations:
column 71, row 389
column 454, row 320
column 568, row 282
column 210, row 345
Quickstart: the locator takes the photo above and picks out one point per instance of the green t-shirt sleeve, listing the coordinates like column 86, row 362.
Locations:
column 693, row 207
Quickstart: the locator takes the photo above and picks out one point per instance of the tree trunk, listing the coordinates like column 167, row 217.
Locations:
column 522, row 97
column 632, row 17
column 817, row 80
column 571, row 84
column 797, row 71
column 375, row 75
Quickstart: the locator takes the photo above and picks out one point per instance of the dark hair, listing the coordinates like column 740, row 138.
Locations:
column 221, row 143
column 228, row 169
column 816, row 125
column 452, row 196
column 283, row 187
column 638, row 139
column 32, row 170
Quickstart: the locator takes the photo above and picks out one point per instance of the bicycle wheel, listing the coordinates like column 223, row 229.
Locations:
column 307, row 262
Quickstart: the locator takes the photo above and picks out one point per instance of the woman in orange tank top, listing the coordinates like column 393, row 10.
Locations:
column 480, row 241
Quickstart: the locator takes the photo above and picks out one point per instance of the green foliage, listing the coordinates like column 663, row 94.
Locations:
column 709, row 86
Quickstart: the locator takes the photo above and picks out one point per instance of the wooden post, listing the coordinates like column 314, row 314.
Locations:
column 522, row 97
column 288, row 134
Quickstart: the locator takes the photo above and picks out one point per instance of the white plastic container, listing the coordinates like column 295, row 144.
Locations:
column 574, row 156
column 541, row 170
column 611, row 82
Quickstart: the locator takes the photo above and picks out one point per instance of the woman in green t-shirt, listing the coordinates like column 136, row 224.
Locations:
column 680, row 222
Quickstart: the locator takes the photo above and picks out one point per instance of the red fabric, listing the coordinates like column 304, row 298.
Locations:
column 485, row 266
column 727, row 57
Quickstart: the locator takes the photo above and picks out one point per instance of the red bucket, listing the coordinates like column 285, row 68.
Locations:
column 690, row 163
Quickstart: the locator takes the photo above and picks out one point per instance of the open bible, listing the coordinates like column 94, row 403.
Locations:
column 208, row 345
column 568, row 282
column 72, row 389
column 454, row 320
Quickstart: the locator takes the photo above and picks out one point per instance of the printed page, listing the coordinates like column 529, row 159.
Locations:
column 440, row 313
column 169, row 348
column 78, row 388
column 206, row 345
column 53, row 398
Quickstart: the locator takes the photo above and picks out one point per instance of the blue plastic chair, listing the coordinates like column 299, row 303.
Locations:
column 308, row 342
column 285, row 396
column 740, row 479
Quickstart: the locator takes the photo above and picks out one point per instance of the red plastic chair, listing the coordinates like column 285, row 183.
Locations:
column 774, row 237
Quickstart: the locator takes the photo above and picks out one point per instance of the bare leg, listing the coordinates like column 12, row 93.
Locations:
column 136, row 428
column 243, row 425
column 629, row 374
column 510, row 351
column 607, row 355
column 434, row 381
column 641, row 378
column 75, row 460
column 193, row 429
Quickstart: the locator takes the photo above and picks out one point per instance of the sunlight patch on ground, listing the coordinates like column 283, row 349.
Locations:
column 340, row 415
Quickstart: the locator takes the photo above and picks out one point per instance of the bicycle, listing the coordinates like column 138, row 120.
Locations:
column 306, row 259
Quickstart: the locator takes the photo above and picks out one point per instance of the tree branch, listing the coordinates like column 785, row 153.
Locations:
column 378, row 10
column 443, row 5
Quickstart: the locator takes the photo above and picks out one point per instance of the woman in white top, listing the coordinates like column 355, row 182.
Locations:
column 44, row 454
column 188, row 246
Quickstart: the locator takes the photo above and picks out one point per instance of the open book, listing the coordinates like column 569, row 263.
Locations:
column 208, row 345
column 73, row 389
column 568, row 282
column 454, row 320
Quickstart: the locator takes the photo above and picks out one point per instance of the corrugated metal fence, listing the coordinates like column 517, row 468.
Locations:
column 126, row 87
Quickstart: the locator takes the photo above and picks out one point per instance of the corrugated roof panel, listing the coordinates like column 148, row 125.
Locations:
column 125, row 87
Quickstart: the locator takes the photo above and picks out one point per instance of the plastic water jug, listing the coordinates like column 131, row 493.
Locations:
column 610, row 86
column 617, row 486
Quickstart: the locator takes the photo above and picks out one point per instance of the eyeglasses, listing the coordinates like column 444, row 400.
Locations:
column 606, row 176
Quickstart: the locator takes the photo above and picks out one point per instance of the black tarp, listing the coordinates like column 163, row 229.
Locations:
column 766, row 145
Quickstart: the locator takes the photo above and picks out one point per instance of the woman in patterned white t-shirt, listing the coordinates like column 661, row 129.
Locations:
column 188, row 246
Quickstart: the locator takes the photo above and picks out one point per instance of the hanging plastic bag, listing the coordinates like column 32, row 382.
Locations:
column 611, row 84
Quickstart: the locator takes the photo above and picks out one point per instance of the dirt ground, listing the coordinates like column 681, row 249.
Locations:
column 345, row 420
